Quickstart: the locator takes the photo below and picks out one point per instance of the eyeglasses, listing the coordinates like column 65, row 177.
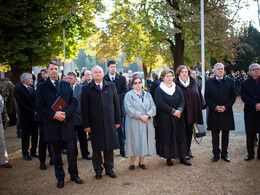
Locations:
column 137, row 82
column 255, row 69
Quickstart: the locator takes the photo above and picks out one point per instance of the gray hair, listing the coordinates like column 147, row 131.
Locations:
column 217, row 65
column 87, row 71
column 97, row 67
column 251, row 66
column 25, row 76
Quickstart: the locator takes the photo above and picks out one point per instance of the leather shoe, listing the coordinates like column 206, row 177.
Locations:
column 27, row 157
column 132, row 167
column 35, row 155
column 249, row 157
column 98, row 175
column 143, row 166
column 77, row 180
column 169, row 162
column 60, row 184
column 190, row 155
column 258, row 157
column 225, row 158
column 215, row 158
column 88, row 157
column 111, row 174
column 43, row 166
column 184, row 161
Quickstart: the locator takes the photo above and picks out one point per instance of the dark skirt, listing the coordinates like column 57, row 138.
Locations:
column 169, row 151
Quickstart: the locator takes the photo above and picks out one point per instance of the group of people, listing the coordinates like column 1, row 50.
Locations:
column 120, row 114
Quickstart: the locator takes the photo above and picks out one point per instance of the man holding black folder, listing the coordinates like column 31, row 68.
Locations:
column 56, row 103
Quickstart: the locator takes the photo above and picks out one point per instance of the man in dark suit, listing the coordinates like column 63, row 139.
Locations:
column 77, row 89
column 88, row 77
column 121, row 88
column 58, row 126
column 250, row 94
column 220, row 95
column 155, row 84
column 25, row 98
column 101, row 116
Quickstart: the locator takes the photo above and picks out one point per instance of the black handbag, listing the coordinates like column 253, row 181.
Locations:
column 199, row 131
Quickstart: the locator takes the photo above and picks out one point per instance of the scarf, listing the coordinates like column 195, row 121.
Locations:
column 169, row 91
column 185, row 84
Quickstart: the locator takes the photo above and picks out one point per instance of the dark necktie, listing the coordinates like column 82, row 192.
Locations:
column 99, row 86
column 29, row 90
column 113, row 79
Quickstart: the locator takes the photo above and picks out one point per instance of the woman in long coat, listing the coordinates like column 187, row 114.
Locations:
column 170, row 131
column 140, row 135
column 192, row 111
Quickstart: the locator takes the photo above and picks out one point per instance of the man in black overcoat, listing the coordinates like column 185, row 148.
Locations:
column 100, row 112
column 121, row 88
column 250, row 94
column 24, row 94
column 220, row 95
column 58, row 126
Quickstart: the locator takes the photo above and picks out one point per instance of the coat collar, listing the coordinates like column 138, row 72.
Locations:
column 92, row 84
column 251, row 82
column 136, row 98
column 48, row 80
column 224, row 78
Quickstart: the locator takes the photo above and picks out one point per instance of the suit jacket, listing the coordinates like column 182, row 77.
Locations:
column 26, row 103
column 77, row 114
column 250, row 94
column 155, row 84
column 220, row 93
column 46, row 95
column 121, row 88
column 101, row 111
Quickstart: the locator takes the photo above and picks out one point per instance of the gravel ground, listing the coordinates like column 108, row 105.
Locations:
column 203, row 177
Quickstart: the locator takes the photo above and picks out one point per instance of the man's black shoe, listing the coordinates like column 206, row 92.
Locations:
column 215, row 158
column 88, row 157
column 60, row 184
column 27, row 157
column 225, row 158
column 258, row 157
column 35, row 155
column 98, row 175
column 111, row 174
column 249, row 157
column 77, row 180
column 43, row 166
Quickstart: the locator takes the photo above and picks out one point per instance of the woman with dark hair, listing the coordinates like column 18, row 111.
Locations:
column 192, row 111
column 139, row 129
column 170, row 130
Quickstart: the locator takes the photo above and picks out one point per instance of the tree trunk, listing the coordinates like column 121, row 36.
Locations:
column 178, row 55
column 145, row 72
column 16, row 73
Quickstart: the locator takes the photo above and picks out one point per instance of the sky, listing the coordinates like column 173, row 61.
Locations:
column 250, row 13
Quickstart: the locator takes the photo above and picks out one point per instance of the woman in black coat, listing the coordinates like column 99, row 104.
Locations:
column 193, row 102
column 170, row 130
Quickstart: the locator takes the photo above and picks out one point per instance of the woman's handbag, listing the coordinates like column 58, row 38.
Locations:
column 199, row 131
